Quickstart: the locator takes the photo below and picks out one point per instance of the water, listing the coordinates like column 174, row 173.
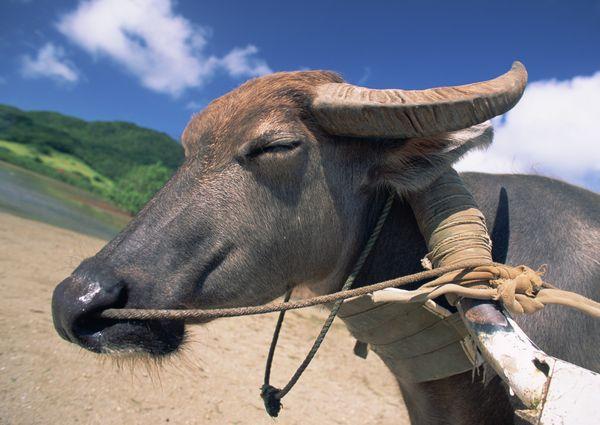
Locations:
column 36, row 197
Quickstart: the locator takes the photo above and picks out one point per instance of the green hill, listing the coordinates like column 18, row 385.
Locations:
column 121, row 161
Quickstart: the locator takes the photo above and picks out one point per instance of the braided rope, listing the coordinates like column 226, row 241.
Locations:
column 461, row 268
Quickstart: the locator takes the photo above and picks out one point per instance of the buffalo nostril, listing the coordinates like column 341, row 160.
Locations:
column 89, row 322
column 76, row 304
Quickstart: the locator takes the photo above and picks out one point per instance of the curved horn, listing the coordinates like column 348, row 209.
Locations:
column 349, row 110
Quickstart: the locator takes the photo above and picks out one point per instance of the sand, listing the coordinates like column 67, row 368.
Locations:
column 216, row 380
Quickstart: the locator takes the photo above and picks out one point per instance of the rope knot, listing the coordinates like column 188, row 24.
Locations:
column 271, row 398
column 517, row 288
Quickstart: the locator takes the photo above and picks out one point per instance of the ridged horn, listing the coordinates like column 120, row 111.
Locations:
column 348, row 110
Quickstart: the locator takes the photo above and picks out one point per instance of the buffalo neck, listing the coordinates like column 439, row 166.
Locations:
column 456, row 399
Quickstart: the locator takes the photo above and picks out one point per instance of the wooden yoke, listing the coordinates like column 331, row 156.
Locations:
column 552, row 391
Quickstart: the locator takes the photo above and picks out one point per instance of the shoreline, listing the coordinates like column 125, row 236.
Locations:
column 87, row 197
column 37, row 197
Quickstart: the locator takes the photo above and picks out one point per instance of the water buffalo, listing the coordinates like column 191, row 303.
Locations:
column 282, row 182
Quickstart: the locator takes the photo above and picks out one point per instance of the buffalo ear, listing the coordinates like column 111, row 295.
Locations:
column 413, row 164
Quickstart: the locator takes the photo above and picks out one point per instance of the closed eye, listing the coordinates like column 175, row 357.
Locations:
column 278, row 147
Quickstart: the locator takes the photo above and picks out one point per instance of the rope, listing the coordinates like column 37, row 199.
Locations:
column 462, row 268
column 272, row 396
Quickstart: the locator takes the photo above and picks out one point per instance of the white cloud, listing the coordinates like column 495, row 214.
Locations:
column 49, row 62
column 163, row 49
column 240, row 62
column 554, row 130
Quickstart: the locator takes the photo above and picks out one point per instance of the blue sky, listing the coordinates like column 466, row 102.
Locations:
column 155, row 62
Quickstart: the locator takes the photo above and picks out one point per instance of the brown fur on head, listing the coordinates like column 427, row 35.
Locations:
column 218, row 122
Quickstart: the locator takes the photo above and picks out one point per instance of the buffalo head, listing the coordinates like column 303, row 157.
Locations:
column 280, row 183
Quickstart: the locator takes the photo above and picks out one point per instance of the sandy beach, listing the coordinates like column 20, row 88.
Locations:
column 216, row 380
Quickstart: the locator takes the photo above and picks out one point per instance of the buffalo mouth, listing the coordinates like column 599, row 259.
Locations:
column 121, row 337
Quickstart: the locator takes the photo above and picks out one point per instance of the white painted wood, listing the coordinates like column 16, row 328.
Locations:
column 573, row 396
column 554, row 391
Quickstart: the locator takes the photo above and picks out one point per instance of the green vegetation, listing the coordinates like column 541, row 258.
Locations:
column 136, row 187
column 122, row 162
column 61, row 166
